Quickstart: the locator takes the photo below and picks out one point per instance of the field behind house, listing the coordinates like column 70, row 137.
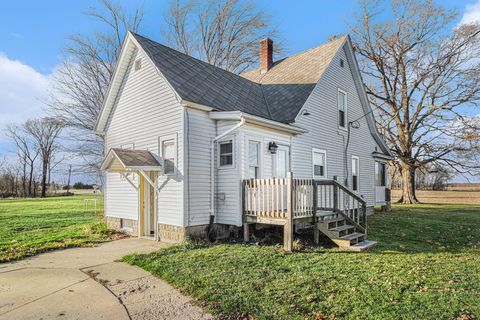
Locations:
column 453, row 195
column 30, row 226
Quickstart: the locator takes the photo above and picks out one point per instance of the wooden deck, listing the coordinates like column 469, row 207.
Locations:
column 291, row 201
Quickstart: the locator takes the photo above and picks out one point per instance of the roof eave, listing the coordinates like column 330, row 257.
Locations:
column 238, row 115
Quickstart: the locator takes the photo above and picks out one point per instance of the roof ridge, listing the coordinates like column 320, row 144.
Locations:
column 342, row 37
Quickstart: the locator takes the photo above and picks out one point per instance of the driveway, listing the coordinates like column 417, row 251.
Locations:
column 90, row 283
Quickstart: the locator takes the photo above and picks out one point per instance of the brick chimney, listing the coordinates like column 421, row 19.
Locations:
column 266, row 52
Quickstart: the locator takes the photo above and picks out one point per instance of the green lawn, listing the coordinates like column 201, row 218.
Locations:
column 30, row 226
column 427, row 266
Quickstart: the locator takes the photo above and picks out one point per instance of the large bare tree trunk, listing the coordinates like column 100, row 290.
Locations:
column 408, row 184
column 44, row 177
column 30, row 180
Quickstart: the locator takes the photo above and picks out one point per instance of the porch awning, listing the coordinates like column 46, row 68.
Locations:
column 125, row 160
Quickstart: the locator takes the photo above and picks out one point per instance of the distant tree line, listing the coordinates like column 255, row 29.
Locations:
column 430, row 177
column 36, row 156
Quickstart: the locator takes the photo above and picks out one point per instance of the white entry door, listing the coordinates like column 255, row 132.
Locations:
column 380, row 181
column 281, row 163
column 148, row 209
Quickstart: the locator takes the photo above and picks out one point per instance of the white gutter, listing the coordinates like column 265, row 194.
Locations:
column 212, row 165
column 237, row 115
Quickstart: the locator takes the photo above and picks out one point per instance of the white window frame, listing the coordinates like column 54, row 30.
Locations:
column 259, row 163
column 325, row 172
column 338, row 109
column 226, row 140
column 167, row 138
column 358, row 172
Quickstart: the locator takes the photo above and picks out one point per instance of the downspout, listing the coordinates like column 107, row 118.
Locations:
column 212, row 170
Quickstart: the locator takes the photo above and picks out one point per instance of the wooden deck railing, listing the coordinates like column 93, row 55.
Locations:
column 268, row 198
column 333, row 196
column 284, row 201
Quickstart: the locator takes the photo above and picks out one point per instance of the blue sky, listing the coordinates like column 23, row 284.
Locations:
column 33, row 32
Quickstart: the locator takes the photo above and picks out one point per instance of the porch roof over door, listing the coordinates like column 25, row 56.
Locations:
column 125, row 160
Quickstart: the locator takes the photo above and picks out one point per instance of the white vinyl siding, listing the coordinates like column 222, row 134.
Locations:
column 200, row 130
column 146, row 109
column 324, row 132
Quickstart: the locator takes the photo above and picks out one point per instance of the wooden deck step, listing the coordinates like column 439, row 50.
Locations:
column 332, row 218
column 363, row 246
column 352, row 236
column 342, row 228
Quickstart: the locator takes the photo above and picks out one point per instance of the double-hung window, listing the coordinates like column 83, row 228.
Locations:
column 226, row 153
column 169, row 156
column 319, row 162
column 168, row 153
column 342, row 108
column 253, row 159
column 355, row 173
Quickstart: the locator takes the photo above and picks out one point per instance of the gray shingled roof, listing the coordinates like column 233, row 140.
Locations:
column 136, row 158
column 278, row 95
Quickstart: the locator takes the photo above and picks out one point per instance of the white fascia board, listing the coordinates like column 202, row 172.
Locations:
column 237, row 115
column 114, row 85
column 357, row 76
column 196, row 106
column 145, row 168
column 113, row 90
column 382, row 156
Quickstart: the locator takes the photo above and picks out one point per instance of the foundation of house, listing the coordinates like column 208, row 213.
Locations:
column 127, row 226
column 174, row 234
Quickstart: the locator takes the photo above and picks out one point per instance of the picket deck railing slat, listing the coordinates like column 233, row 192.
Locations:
column 288, row 199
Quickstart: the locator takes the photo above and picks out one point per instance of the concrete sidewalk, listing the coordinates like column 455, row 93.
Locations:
column 90, row 283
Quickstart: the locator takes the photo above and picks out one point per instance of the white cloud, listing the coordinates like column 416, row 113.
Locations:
column 22, row 90
column 16, row 35
column 472, row 13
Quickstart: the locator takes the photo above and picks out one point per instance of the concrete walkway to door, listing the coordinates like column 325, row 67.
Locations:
column 90, row 283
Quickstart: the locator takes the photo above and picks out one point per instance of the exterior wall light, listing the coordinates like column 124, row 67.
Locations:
column 272, row 147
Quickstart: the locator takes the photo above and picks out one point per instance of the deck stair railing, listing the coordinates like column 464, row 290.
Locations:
column 287, row 201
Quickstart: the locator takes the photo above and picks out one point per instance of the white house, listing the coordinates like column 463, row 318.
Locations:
column 184, row 139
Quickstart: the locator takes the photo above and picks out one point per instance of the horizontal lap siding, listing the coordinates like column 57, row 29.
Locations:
column 120, row 197
column 228, row 180
column 323, row 131
column 264, row 136
column 201, row 131
column 146, row 110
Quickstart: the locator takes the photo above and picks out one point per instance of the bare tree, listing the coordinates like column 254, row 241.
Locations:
column 223, row 33
column 419, row 73
column 27, row 152
column 80, row 85
column 69, row 176
column 45, row 132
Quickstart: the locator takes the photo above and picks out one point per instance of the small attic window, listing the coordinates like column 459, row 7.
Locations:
column 138, row 64
column 341, row 63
